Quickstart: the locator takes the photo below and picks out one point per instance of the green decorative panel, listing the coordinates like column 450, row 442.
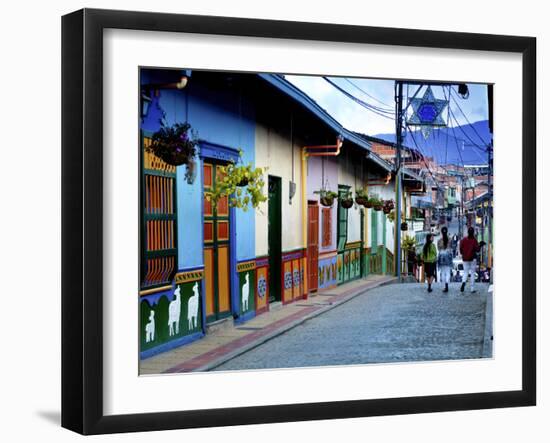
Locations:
column 340, row 267
column 358, row 263
column 346, row 266
column 172, row 316
column 246, row 292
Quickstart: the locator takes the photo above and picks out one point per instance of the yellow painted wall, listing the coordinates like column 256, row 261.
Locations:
column 273, row 150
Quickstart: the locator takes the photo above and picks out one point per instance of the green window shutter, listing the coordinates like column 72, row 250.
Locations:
column 342, row 215
column 374, row 231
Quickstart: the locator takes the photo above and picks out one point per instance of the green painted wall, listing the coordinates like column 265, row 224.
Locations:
column 182, row 324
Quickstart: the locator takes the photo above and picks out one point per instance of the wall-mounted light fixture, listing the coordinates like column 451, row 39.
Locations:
column 291, row 191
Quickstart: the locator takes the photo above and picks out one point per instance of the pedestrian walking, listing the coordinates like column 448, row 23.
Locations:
column 469, row 247
column 454, row 244
column 429, row 258
column 445, row 258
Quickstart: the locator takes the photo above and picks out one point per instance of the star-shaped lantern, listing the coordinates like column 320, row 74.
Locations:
column 427, row 112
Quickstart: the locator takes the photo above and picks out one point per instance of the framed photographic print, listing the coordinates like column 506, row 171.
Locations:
column 269, row 221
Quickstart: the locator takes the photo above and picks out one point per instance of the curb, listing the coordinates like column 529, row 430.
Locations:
column 231, row 355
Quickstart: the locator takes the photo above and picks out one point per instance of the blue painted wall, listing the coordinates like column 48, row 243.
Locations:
column 221, row 116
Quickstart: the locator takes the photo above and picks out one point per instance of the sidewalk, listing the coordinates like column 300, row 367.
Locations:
column 223, row 345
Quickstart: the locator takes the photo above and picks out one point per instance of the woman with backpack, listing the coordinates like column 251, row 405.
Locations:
column 429, row 258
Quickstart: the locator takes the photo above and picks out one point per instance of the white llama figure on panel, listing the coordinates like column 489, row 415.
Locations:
column 174, row 312
column 245, row 293
column 150, row 328
column 193, row 307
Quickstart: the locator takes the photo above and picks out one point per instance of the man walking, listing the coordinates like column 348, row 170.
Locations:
column 469, row 247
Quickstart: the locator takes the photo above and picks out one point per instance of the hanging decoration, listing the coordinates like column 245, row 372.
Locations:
column 426, row 112
column 176, row 145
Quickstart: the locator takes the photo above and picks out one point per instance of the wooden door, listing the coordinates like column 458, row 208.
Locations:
column 216, row 248
column 312, row 245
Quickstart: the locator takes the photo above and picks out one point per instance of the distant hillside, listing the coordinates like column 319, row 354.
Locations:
column 450, row 146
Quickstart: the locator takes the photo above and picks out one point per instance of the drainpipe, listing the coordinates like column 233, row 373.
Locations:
column 325, row 149
column 380, row 183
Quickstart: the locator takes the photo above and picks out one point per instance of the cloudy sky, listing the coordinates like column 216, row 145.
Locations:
column 380, row 93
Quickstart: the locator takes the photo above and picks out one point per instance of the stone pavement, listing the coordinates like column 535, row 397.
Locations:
column 222, row 345
column 392, row 323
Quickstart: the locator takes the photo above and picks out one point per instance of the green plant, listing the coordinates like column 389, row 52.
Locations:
column 375, row 202
column 346, row 199
column 242, row 184
column 326, row 196
column 361, row 196
column 176, row 145
column 408, row 243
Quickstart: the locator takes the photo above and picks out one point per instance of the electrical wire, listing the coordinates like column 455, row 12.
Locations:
column 378, row 111
column 466, row 118
column 424, row 159
column 390, row 108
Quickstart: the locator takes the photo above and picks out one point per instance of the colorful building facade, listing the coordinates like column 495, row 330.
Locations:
column 202, row 264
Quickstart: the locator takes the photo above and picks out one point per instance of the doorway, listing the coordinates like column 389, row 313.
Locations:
column 216, row 247
column 274, row 237
column 312, row 245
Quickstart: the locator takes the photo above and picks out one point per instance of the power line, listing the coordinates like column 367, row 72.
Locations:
column 369, row 95
column 378, row 111
column 466, row 118
column 465, row 134
column 423, row 158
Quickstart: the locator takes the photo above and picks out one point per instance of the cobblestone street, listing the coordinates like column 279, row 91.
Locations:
column 397, row 322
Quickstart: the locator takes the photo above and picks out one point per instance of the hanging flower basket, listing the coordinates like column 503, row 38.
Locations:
column 361, row 197
column 326, row 197
column 175, row 145
column 386, row 209
column 368, row 204
column 389, row 204
column 376, row 203
column 404, row 226
column 327, row 201
column 346, row 203
column 346, row 199
column 242, row 184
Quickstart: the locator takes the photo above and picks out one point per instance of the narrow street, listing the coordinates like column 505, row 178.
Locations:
column 392, row 323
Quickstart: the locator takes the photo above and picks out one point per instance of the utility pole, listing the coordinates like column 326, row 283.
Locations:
column 398, row 184
column 461, row 209
column 490, row 182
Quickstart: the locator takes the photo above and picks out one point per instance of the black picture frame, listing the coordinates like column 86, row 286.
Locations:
column 82, row 215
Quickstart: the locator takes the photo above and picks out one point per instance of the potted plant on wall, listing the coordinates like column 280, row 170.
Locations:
column 326, row 197
column 361, row 197
column 346, row 199
column 176, row 145
column 242, row 184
